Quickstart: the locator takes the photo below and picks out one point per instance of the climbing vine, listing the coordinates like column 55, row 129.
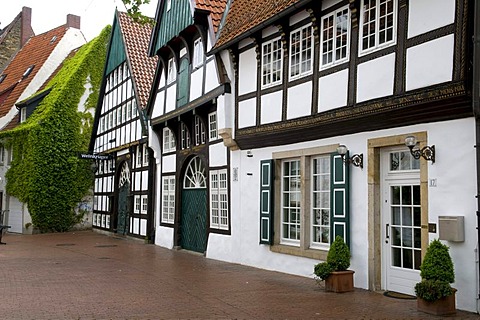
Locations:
column 46, row 173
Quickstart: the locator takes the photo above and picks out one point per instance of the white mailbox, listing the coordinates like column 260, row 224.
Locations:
column 451, row 228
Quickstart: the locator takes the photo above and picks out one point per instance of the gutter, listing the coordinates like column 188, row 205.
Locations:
column 476, row 113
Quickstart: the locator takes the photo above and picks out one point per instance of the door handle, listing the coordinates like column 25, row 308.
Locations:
column 387, row 232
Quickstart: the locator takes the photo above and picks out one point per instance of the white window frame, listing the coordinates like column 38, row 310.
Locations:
column 200, row 136
column 302, row 61
column 137, row 204
column 332, row 35
column 376, row 33
column 23, row 114
column 198, row 53
column 138, row 157
column 168, row 199
column 185, row 136
column 2, row 154
column 219, row 199
column 212, row 126
column 172, row 71
column 287, row 191
column 269, row 62
column 168, row 141
column 129, row 110
column 145, row 155
column 144, row 204
column 323, row 176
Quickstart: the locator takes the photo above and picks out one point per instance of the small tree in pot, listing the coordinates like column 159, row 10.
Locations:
column 334, row 270
column 434, row 293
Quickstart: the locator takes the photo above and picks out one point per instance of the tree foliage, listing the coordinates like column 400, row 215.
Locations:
column 45, row 172
column 133, row 9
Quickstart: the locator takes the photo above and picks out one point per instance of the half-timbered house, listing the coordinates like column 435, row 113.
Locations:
column 188, row 115
column 119, row 140
column 352, row 118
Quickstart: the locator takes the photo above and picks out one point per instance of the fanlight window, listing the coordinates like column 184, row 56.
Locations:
column 124, row 175
column 195, row 175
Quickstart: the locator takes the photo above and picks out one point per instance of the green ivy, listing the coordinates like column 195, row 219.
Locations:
column 45, row 172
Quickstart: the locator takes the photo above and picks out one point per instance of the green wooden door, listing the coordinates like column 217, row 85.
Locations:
column 194, row 219
column 123, row 216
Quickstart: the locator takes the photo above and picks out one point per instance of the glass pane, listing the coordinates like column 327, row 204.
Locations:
column 416, row 217
column 417, row 238
column 406, row 216
column 396, row 216
column 396, row 236
column 406, row 195
column 325, row 217
column 418, row 259
column 407, row 237
column 407, row 258
column 416, row 195
column 396, row 257
column 394, row 161
column 325, row 235
column 395, row 195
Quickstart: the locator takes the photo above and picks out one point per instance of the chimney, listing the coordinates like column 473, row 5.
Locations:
column 73, row 21
column 26, row 28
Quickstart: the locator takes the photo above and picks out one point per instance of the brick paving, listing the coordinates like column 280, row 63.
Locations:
column 88, row 275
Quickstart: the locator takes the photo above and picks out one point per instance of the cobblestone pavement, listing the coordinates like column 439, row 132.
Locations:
column 88, row 275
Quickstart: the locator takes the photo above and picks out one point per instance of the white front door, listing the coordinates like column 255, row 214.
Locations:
column 401, row 219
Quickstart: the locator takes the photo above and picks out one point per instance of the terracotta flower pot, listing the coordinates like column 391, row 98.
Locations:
column 441, row 307
column 340, row 281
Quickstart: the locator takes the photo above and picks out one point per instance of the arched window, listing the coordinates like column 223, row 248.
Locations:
column 195, row 175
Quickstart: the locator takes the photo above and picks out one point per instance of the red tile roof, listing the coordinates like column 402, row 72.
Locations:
column 35, row 52
column 245, row 15
column 137, row 38
column 216, row 8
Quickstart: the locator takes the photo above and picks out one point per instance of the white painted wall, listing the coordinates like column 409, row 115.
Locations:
column 217, row 155
column 446, row 199
column 171, row 98
column 333, row 90
column 247, row 74
column 211, row 80
column 164, row 237
column 168, row 163
column 440, row 13
column 158, row 106
column 247, row 113
column 430, row 63
column 271, row 109
column 375, row 78
column 196, row 80
column 299, row 102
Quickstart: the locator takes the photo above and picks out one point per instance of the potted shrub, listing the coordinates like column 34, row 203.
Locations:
column 434, row 293
column 334, row 270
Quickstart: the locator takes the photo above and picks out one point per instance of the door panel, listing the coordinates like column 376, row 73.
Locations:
column 194, row 219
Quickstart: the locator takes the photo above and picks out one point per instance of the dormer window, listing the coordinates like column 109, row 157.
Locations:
column 28, row 71
column 2, row 77
column 23, row 114
column 172, row 71
column 53, row 39
column 197, row 53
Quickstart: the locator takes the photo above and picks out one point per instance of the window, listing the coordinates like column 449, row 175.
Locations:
column 212, row 126
column 218, row 199
column 2, row 77
column 144, row 209
column 139, row 156
column 168, row 141
column 172, row 71
column 301, row 52
column 169, row 5
column 308, row 203
column 119, row 115
column 138, row 204
column 197, row 53
column 145, row 155
column 28, row 71
column 335, row 37
column 129, row 110
column 199, row 132
column 378, row 24
column 403, row 160
column 2, row 154
column 23, row 114
column 185, row 136
column 272, row 62
column 168, row 200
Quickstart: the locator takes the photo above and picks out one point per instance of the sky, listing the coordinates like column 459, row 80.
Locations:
column 49, row 14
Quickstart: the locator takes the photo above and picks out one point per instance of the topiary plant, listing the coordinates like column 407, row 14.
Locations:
column 437, row 273
column 338, row 259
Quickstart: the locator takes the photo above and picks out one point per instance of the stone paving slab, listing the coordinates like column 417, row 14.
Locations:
column 89, row 275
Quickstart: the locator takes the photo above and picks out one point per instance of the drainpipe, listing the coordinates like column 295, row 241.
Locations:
column 476, row 113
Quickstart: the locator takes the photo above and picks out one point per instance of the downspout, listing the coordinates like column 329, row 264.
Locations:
column 476, row 113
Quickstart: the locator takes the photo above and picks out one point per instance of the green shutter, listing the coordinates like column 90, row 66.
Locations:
column 266, row 201
column 339, row 204
column 183, row 83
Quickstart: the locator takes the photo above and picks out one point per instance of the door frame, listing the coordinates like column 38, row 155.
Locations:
column 375, row 227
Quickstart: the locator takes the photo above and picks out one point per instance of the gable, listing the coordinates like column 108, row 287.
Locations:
column 173, row 21
column 116, row 51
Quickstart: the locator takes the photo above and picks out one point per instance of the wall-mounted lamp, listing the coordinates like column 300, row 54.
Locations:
column 249, row 153
column 356, row 159
column 427, row 152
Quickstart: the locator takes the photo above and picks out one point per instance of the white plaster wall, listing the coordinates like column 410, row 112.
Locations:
column 196, row 80
column 299, row 102
column 217, row 155
column 211, row 80
column 430, row 63
column 333, row 90
column 299, row 17
column 145, row 180
column 439, row 12
column 268, row 31
column 247, row 113
column 158, row 106
column 375, row 78
column 445, row 199
column 164, row 237
column 171, row 98
column 143, row 227
column 271, row 109
column 328, row 3
column 168, row 163
column 247, row 72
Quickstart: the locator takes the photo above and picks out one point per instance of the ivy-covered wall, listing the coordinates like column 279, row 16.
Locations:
column 46, row 172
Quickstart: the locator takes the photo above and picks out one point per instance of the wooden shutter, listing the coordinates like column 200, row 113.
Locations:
column 183, row 83
column 266, row 201
column 339, row 204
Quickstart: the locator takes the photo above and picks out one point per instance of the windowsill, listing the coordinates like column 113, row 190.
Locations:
column 368, row 51
column 296, row 251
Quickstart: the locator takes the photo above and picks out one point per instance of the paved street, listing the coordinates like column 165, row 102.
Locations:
column 88, row 275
